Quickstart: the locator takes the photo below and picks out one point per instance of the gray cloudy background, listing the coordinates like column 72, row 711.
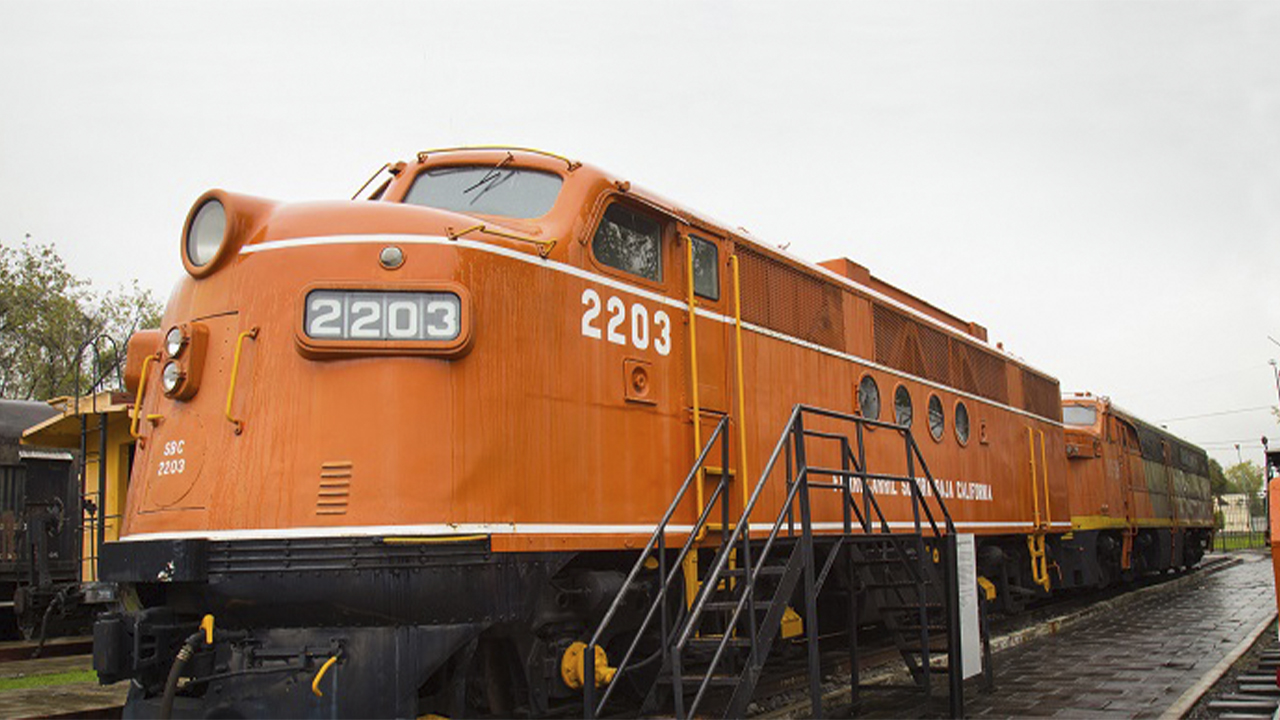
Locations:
column 1098, row 183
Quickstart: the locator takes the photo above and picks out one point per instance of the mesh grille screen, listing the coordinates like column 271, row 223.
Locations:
column 989, row 371
column 1040, row 396
column 897, row 343
column 962, row 375
column 781, row 298
column 913, row 347
column 934, row 345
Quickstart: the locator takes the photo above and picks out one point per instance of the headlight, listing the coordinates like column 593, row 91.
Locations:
column 171, row 377
column 206, row 232
column 174, row 341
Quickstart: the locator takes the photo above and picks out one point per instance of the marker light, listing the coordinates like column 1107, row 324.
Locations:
column 206, row 233
column 174, row 342
column 171, row 377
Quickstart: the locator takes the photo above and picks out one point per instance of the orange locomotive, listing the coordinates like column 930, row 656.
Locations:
column 402, row 448
column 1143, row 493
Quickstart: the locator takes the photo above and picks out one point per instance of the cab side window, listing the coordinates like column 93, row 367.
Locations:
column 629, row 241
column 706, row 268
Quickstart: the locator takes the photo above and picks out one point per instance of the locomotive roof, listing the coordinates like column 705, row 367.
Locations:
column 842, row 272
column 18, row 415
column 1109, row 406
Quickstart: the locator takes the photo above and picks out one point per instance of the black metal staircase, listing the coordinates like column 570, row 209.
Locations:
column 721, row 641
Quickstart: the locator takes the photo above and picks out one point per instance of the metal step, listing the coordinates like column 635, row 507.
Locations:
column 766, row 571
column 915, row 627
column 695, row 680
column 913, row 608
column 886, row 561
column 895, row 584
column 731, row 605
column 711, row 643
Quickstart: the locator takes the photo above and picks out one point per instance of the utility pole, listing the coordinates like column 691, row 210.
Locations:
column 1275, row 370
column 1266, row 488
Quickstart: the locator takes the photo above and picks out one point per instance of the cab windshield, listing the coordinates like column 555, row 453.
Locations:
column 486, row 190
column 1080, row 415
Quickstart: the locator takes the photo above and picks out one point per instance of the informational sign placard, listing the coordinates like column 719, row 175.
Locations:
column 970, row 630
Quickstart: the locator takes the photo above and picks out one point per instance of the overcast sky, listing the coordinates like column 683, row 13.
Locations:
column 1098, row 183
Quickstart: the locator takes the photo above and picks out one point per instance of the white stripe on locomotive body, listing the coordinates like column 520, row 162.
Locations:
column 463, row 529
column 650, row 295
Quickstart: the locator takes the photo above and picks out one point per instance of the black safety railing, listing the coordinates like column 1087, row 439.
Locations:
column 668, row 569
column 862, row 515
column 93, row 504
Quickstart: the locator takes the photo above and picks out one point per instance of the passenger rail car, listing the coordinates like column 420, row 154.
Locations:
column 402, row 449
column 1139, row 495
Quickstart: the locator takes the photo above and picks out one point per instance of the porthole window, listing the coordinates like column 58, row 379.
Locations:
column 629, row 241
column 962, row 423
column 869, row 398
column 937, row 421
column 902, row 410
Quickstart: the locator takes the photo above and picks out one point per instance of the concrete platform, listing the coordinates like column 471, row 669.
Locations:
column 79, row 699
column 1137, row 661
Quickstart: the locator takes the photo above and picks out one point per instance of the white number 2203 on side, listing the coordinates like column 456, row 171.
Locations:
column 623, row 327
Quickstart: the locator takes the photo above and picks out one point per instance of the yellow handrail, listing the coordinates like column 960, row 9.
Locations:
column 315, row 684
column 573, row 164
column 137, row 400
column 1035, row 493
column 1044, row 475
column 544, row 246
column 693, row 363
column 235, row 372
column 1036, row 540
column 744, row 476
column 691, row 559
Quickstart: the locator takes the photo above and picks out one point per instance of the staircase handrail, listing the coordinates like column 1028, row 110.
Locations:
column 687, row 624
column 913, row 450
column 715, row 575
column 655, row 539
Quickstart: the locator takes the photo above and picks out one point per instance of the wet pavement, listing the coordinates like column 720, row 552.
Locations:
column 1134, row 662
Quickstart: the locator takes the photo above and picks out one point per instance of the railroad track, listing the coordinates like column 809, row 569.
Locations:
column 57, row 647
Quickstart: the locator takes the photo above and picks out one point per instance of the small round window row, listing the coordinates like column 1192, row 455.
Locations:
column 903, row 410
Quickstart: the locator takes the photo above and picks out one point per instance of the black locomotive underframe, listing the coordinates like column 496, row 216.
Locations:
column 410, row 620
column 394, row 612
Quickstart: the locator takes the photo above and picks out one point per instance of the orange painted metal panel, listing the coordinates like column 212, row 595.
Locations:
column 530, row 434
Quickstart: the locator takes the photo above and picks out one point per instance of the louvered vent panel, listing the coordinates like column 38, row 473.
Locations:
column 897, row 340
column 1040, row 396
column 913, row 347
column 989, row 372
column 335, row 487
column 781, row 298
column 889, row 328
column 962, row 375
column 933, row 345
